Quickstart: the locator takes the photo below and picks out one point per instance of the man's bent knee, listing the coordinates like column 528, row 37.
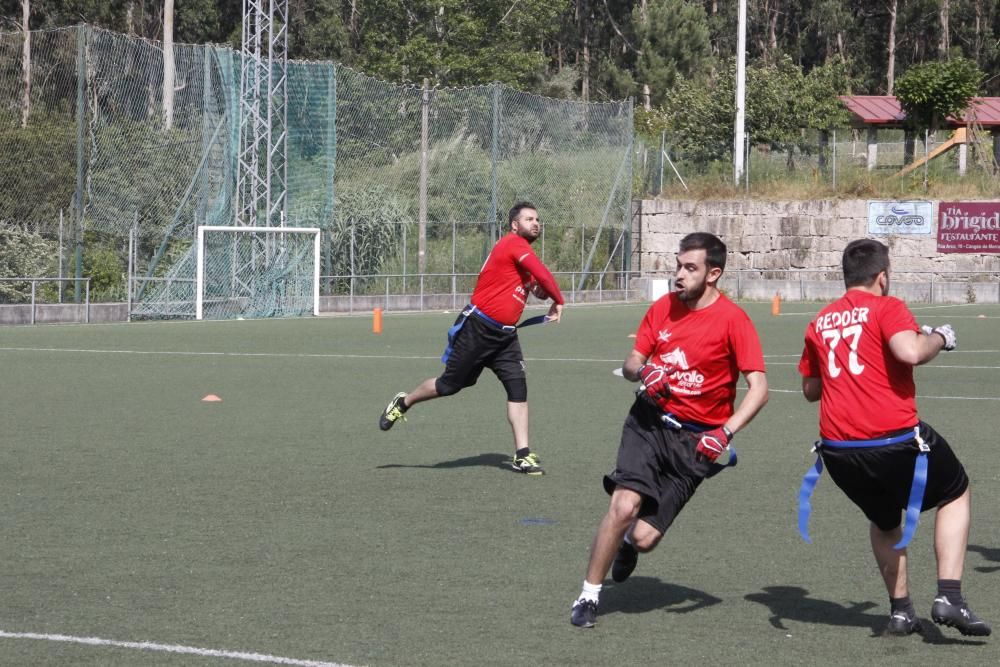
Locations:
column 443, row 389
column 625, row 505
column 517, row 390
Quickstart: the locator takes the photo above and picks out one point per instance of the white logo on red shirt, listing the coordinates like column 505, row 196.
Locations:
column 682, row 379
column 664, row 335
column 675, row 358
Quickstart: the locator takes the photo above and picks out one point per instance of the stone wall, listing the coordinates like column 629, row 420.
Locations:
column 782, row 235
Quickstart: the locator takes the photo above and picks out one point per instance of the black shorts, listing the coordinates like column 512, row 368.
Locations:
column 878, row 479
column 478, row 345
column 658, row 463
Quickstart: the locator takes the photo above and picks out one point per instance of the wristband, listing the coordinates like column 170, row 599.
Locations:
column 729, row 434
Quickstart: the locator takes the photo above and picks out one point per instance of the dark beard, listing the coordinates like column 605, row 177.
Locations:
column 687, row 296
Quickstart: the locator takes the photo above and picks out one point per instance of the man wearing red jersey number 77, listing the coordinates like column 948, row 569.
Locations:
column 690, row 350
column 485, row 333
column 858, row 363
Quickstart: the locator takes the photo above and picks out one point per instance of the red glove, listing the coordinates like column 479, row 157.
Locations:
column 654, row 381
column 713, row 443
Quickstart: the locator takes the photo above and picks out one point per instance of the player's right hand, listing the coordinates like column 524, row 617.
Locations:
column 654, row 381
column 946, row 332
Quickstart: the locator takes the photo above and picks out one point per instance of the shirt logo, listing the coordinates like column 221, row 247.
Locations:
column 683, row 379
column 664, row 335
column 675, row 358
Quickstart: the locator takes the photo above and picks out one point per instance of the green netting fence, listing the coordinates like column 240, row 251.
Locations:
column 95, row 165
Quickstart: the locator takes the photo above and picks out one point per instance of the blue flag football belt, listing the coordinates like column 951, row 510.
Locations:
column 670, row 421
column 914, row 503
column 470, row 310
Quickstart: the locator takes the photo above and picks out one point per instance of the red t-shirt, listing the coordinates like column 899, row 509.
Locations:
column 707, row 348
column 867, row 392
column 501, row 288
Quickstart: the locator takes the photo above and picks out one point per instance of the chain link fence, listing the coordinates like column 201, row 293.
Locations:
column 847, row 160
column 402, row 180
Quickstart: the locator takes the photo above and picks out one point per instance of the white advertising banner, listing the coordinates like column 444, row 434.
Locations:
column 900, row 217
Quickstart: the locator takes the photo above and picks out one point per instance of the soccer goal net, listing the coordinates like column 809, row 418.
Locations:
column 257, row 272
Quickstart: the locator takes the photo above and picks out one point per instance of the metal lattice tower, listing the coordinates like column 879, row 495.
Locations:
column 262, row 175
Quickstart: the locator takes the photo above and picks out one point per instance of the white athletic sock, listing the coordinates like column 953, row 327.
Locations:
column 590, row 591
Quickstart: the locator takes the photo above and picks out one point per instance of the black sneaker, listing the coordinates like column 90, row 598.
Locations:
column 902, row 623
column 958, row 616
column 393, row 412
column 624, row 563
column 584, row 613
column 529, row 464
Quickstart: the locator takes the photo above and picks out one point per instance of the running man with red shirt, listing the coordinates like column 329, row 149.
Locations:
column 485, row 334
column 690, row 350
column 858, row 363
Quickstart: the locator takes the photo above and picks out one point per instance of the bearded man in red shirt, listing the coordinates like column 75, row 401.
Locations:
column 690, row 350
column 485, row 333
column 858, row 363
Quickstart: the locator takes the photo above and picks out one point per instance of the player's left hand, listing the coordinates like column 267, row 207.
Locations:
column 555, row 313
column 713, row 443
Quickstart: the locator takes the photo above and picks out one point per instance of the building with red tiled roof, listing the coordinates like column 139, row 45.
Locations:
column 876, row 112
column 886, row 111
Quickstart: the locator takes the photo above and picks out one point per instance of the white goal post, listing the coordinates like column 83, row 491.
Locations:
column 255, row 272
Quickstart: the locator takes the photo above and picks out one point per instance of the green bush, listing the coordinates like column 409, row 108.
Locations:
column 23, row 254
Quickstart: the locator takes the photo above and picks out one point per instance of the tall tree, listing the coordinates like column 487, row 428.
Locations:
column 932, row 91
column 26, row 61
column 673, row 43
column 943, row 44
column 168, row 64
column 890, row 76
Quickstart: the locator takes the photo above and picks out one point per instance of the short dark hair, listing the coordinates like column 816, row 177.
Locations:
column 863, row 260
column 715, row 249
column 516, row 209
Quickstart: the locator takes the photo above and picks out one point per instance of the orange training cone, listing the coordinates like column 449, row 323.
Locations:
column 776, row 304
column 211, row 398
column 377, row 321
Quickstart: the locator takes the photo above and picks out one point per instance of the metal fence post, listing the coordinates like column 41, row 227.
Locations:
column 33, row 301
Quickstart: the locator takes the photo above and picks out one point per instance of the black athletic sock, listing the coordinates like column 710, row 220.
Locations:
column 951, row 589
column 903, row 604
column 401, row 404
column 521, row 453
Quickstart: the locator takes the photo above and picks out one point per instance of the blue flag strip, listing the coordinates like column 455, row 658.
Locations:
column 914, row 502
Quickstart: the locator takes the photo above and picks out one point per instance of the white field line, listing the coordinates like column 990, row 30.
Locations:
column 171, row 648
column 398, row 357
column 276, row 355
column 952, row 352
column 929, row 366
column 304, row 355
column 182, row 353
column 922, row 396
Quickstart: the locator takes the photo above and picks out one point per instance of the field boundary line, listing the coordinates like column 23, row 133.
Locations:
column 943, row 398
column 171, row 648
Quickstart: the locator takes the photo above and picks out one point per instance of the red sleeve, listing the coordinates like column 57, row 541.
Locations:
column 645, row 336
column 534, row 266
column 808, row 367
column 894, row 317
column 749, row 355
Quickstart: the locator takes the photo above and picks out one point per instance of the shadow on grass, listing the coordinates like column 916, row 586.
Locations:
column 481, row 460
column 642, row 594
column 794, row 604
column 990, row 554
